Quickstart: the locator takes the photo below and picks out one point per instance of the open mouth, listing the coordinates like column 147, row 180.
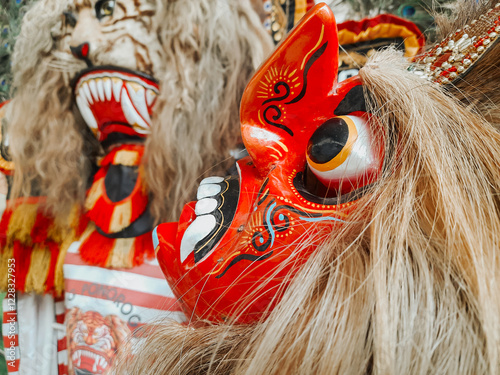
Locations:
column 112, row 99
column 214, row 213
column 88, row 362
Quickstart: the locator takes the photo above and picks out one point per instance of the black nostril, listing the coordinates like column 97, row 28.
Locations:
column 81, row 52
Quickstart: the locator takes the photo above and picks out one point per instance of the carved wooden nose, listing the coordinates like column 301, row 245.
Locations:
column 81, row 52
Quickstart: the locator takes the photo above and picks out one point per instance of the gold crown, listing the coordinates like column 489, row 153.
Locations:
column 458, row 52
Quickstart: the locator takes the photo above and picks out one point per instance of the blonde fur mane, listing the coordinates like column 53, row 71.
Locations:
column 210, row 50
column 410, row 285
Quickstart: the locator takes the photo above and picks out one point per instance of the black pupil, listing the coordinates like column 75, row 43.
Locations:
column 328, row 141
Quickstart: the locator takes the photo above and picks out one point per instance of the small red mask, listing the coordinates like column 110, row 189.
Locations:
column 313, row 151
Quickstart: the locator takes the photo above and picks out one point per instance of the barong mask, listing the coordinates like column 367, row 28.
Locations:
column 314, row 151
column 117, row 92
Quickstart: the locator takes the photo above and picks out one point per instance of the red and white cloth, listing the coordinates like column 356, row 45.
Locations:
column 103, row 306
column 28, row 333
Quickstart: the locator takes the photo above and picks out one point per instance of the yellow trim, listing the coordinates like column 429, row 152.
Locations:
column 127, row 157
column 300, row 10
column 383, row 30
column 5, row 255
column 121, row 217
column 38, row 271
column 314, row 49
column 122, row 254
column 95, row 192
column 342, row 155
column 21, row 222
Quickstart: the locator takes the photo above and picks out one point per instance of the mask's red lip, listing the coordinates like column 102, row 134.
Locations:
column 169, row 235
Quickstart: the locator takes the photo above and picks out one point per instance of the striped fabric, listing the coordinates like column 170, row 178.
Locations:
column 10, row 331
column 60, row 328
column 103, row 306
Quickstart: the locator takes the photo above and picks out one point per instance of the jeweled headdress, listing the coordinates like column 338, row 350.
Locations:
column 458, row 53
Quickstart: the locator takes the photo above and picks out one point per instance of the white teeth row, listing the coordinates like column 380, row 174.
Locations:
column 205, row 221
column 134, row 100
column 98, row 359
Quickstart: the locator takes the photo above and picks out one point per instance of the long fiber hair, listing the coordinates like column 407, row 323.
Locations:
column 210, row 50
column 411, row 285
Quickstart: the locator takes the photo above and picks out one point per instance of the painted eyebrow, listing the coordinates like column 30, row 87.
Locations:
column 353, row 101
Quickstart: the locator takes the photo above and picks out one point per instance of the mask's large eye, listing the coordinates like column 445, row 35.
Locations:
column 347, row 73
column 104, row 8
column 344, row 154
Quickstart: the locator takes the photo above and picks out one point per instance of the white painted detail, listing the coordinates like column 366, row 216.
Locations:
column 212, row 180
column 132, row 116
column 93, row 90
column 138, row 96
column 100, row 90
column 117, row 88
column 264, row 135
column 198, row 230
column 86, row 90
column 150, row 97
column 208, row 190
column 108, row 88
column 86, row 112
column 122, row 77
column 205, row 206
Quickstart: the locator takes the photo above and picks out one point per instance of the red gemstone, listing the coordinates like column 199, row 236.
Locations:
column 442, row 59
column 479, row 42
column 85, row 50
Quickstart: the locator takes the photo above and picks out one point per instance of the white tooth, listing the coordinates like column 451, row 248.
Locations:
column 79, row 352
column 138, row 96
column 150, row 97
column 86, row 90
column 74, row 356
column 86, row 112
column 198, row 230
column 100, row 89
column 83, row 96
column 79, row 361
column 212, row 180
column 208, row 190
column 102, row 362
column 132, row 116
column 94, row 368
column 93, row 89
column 205, row 206
column 108, row 88
column 117, row 88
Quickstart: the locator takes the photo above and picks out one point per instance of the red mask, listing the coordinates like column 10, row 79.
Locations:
column 313, row 152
